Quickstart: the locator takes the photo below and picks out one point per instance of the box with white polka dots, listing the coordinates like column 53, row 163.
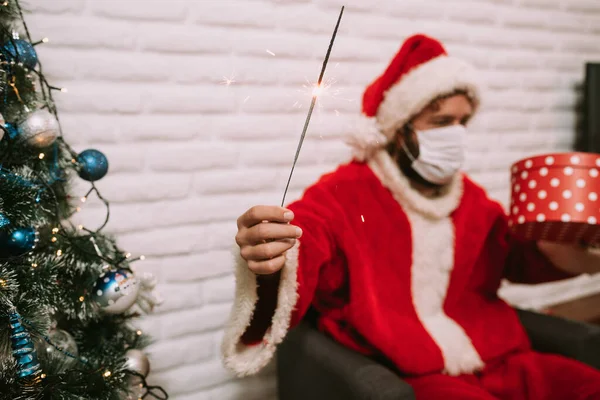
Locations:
column 555, row 197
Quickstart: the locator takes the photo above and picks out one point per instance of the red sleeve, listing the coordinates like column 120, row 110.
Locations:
column 314, row 214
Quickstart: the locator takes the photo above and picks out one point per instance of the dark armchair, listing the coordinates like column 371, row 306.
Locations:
column 311, row 366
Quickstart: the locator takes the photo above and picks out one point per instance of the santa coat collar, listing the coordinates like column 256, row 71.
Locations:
column 392, row 178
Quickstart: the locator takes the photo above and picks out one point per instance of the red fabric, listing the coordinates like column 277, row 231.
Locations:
column 521, row 376
column 357, row 275
column 416, row 50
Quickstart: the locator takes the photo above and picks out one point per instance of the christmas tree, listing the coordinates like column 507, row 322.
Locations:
column 69, row 295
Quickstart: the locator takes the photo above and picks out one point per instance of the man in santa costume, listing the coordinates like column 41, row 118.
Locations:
column 401, row 254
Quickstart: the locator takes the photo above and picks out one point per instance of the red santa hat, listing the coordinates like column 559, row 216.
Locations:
column 420, row 72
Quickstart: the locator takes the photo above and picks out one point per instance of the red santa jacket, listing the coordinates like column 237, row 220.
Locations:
column 391, row 274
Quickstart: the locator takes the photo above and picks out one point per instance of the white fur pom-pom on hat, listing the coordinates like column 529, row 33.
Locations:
column 366, row 138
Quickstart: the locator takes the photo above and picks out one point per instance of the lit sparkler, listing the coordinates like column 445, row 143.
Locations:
column 227, row 81
column 315, row 93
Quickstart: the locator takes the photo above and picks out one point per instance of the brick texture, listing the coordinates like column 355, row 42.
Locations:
column 188, row 153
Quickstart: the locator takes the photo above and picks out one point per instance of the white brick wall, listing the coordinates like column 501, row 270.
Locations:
column 189, row 154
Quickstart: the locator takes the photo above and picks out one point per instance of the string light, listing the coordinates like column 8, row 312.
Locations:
column 59, row 252
column 139, row 333
column 127, row 255
column 64, row 90
column 81, row 298
column 43, row 376
column 83, row 199
column 142, row 258
column 41, row 156
column 73, row 160
column 54, row 239
column 80, row 227
column 78, row 209
column 107, row 374
column 55, row 230
column 34, row 265
column 3, row 283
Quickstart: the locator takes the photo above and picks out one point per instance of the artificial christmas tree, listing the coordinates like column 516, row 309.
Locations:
column 68, row 294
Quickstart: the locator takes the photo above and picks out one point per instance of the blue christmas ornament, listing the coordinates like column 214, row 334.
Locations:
column 17, row 241
column 22, row 348
column 94, row 165
column 12, row 130
column 19, row 50
column 116, row 291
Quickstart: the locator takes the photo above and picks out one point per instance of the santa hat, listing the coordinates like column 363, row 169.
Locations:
column 420, row 72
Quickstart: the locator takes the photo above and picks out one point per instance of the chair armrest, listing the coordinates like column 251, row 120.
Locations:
column 572, row 339
column 313, row 366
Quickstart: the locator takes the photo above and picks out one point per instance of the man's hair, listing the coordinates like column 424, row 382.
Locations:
column 434, row 105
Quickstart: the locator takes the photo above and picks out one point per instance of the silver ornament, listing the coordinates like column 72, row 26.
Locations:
column 40, row 129
column 137, row 361
column 116, row 291
column 64, row 343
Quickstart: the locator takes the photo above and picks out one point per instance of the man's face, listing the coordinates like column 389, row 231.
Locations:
column 453, row 110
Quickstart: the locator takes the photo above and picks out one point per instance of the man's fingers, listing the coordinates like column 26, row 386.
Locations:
column 266, row 232
column 267, row 267
column 258, row 214
column 267, row 251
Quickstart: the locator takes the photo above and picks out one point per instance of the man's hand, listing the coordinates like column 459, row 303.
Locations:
column 264, row 235
column 573, row 259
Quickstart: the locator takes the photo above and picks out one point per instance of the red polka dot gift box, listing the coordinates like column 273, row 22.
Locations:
column 555, row 197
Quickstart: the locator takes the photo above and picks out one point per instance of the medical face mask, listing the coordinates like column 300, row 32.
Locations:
column 441, row 153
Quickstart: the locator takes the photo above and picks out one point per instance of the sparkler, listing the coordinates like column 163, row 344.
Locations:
column 316, row 91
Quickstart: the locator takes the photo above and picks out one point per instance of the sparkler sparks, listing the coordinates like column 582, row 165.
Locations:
column 227, row 81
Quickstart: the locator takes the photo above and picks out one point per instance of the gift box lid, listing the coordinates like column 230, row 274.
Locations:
column 557, row 160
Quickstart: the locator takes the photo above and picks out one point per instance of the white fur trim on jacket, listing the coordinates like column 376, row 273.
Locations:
column 420, row 86
column 392, row 178
column 248, row 360
column 432, row 265
column 366, row 138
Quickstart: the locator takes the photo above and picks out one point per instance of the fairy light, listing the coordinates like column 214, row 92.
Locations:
column 64, row 90
column 83, row 199
column 127, row 255
column 139, row 333
column 78, row 209
column 142, row 258
column 2, row 282
column 55, row 230
column 59, row 252
column 5, row 3
column 43, row 376
column 80, row 227
column 34, row 265
column 74, row 161
column 54, row 239
column 81, row 298
column 41, row 156
column 107, row 374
